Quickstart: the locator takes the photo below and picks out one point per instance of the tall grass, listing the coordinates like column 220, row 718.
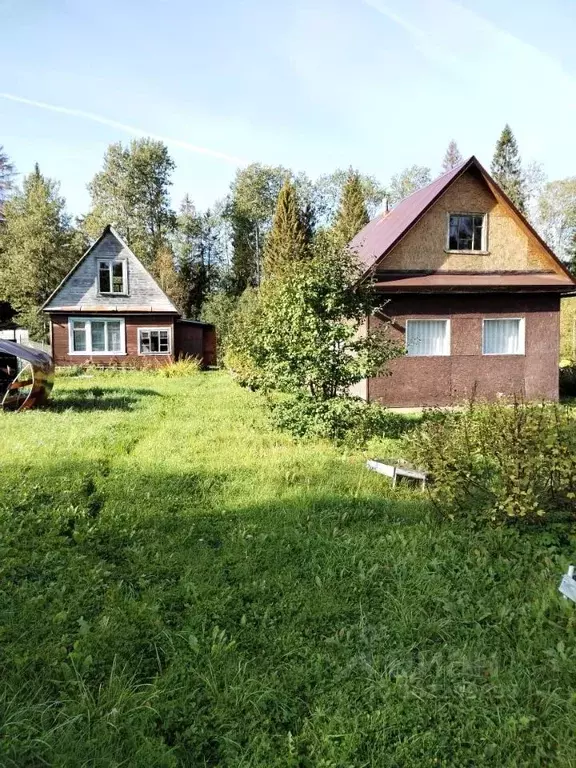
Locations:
column 181, row 585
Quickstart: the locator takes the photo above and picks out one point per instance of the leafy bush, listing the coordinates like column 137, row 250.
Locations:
column 499, row 461
column 219, row 309
column 304, row 330
column 568, row 381
column 342, row 419
column 185, row 366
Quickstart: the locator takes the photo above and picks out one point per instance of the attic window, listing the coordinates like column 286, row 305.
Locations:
column 467, row 232
column 112, row 277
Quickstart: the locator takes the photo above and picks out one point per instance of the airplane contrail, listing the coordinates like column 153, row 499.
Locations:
column 123, row 127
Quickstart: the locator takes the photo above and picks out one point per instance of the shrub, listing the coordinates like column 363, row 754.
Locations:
column 502, row 462
column 342, row 419
column 568, row 381
column 185, row 366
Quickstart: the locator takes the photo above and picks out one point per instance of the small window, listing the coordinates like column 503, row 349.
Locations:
column 503, row 336
column 154, row 341
column 467, row 232
column 96, row 336
column 112, row 277
column 427, row 337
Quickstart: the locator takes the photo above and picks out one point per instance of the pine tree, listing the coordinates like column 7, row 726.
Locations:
column 352, row 214
column 39, row 248
column 452, row 158
column 7, row 174
column 507, row 168
column 286, row 241
column 197, row 255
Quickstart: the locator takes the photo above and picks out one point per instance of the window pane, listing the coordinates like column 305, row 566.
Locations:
column 117, row 278
column 113, row 332
column 427, row 337
column 502, row 337
column 154, row 341
column 104, row 277
column 164, row 346
column 79, row 337
column 465, row 233
column 144, row 342
column 478, row 226
column 98, row 328
column 453, row 239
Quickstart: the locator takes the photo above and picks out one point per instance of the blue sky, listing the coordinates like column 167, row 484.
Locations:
column 309, row 84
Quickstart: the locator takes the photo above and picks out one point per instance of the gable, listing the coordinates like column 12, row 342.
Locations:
column 79, row 291
column 511, row 247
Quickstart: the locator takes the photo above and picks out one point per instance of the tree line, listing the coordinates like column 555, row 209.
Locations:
column 205, row 260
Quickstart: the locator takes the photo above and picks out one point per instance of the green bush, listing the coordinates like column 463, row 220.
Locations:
column 568, row 381
column 185, row 366
column 502, row 462
column 341, row 419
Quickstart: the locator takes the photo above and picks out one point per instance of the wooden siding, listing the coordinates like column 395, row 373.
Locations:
column 196, row 340
column 510, row 246
column 60, row 342
column 79, row 292
column 188, row 339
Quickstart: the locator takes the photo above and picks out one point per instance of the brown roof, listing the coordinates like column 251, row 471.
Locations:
column 468, row 283
column 380, row 235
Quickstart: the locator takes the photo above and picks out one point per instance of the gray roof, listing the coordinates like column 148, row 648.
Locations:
column 78, row 292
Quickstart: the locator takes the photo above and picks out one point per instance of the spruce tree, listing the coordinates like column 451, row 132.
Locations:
column 7, row 174
column 507, row 168
column 286, row 242
column 352, row 214
column 452, row 158
column 39, row 248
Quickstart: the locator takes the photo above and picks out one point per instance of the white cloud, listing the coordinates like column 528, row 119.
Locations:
column 124, row 128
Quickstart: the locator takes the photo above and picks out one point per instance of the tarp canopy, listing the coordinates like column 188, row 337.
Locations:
column 27, row 382
column 34, row 356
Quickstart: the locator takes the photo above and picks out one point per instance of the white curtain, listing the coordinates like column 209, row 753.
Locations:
column 427, row 337
column 502, row 337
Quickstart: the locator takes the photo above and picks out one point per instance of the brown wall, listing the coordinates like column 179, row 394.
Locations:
column 420, row 381
column 131, row 358
column 196, row 341
column 509, row 246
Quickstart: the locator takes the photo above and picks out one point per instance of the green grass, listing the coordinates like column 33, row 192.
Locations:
column 182, row 586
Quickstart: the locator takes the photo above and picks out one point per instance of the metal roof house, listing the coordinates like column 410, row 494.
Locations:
column 472, row 291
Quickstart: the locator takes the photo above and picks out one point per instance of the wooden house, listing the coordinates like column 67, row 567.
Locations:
column 471, row 290
column 109, row 310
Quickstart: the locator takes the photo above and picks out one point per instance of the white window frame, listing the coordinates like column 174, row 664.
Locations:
column 109, row 263
column 155, row 328
column 448, row 341
column 521, row 333
column 484, row 244
column 88, row 351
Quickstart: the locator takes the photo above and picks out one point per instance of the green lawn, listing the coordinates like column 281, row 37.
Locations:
column 180, row 585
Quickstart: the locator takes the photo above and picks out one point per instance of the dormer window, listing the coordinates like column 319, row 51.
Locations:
column 467, row 232
column 112, row 277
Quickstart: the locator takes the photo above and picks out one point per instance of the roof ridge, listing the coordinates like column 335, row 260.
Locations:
column 434, row 181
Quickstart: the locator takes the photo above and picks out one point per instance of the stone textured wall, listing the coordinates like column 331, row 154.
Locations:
column 509, row 246
column 421, row 381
